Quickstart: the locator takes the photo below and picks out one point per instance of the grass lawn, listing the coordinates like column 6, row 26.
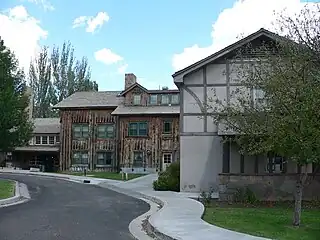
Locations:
column 7, row 188
column 272, row 222
column 106, row 175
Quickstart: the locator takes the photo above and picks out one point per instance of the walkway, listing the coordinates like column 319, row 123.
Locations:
column 180, row 216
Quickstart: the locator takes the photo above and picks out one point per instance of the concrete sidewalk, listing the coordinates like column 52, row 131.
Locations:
column 179, row 217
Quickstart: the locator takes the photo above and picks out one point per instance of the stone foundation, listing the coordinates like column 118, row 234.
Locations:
column 270, row 187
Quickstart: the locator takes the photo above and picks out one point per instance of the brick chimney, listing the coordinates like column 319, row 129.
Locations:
column 129, row 79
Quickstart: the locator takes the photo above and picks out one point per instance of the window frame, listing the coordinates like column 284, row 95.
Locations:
column 138, row 129
column 168, row 98
column 107, row 134
column 178, row 99
column 165, row 161
column 81, row 162
column 156, row 99
column 51, row 138
column 37, row 142
column 133, row 100
column 105, row 158
column 82, row 135
column 164, row 122
column 134, row 164
column 44, row 142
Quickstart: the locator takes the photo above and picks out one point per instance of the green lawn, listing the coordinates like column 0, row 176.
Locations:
column 274, row 223
column 7, row 188
column 106, row 175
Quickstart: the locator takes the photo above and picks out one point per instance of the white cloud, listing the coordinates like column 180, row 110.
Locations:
column 245, row 17
column 106, row 56
column 91, row 22
column 21, row 32
column 123, row 68
column 43, row 3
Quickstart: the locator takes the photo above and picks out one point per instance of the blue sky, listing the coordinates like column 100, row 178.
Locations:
column 151, row 39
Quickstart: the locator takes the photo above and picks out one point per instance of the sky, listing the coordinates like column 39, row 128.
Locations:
column 152, row 39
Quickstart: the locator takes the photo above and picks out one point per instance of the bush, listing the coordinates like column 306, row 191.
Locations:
column 169, row 180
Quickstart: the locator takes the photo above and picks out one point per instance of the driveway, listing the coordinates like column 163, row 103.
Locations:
column 68, row 211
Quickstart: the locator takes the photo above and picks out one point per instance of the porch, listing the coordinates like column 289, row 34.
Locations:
column 269, row 176
column 35, row 157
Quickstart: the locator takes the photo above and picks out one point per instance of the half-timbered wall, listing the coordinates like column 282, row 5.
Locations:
column 91, row 145
column 153, row 146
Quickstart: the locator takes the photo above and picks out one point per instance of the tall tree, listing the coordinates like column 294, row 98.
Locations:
column 82, row 75
column 40, row 82
column 283, row 116
column 15, row 127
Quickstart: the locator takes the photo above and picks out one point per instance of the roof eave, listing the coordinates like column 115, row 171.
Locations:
column 85, row 107
column 178, row 76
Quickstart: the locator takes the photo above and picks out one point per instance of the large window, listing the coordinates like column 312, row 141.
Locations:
column 175, row 99
column 138, row 129
column 81, row 130
column 51, row 140
column 167, row 126
column 38, row 140
column 106, row 131
column 165, row 99
column 153, row 99
column 44, row 140
column 104, row 158
column 136, row 99
column 138, row 159
column 80, row 158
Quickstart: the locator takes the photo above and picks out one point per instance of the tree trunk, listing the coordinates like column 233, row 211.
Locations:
column 298, row 203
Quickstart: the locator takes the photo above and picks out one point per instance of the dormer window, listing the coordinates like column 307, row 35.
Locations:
column 165, row 99
column 153, row 99
column 136, row 99
column 175, row 99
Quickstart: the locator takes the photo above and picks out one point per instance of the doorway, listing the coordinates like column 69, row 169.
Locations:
column 166, row 160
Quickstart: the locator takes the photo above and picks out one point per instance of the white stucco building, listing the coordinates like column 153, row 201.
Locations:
column 203, row 155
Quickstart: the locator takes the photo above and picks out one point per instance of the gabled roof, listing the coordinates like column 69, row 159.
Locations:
column 132, row 87
column 46, row 125
column 90, row 99
column 226, row 50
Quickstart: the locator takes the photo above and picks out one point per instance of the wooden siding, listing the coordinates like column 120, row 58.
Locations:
column 91, row 145
column 153, row 146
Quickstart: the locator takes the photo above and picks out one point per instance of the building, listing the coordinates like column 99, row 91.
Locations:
column 207, row 162
column 135, row 130
column 43, row 148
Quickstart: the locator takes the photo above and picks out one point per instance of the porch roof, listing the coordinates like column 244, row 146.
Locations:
column 148, row 110
column 37, row 149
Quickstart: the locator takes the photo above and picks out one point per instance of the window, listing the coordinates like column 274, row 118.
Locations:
column 104, row 158
column 80, row 158
column 138, row 159
column 165, row 99
column 153, row 99
column 167, row 158
column 57, row 139
column 44, row 140
column 81, row 131
column 38, row 140
column 51, row 139
column 175, row 98
column 138, row 129
column 259, row 98
column 136, row 99
column 105, row 131
column 275, row 164
column 167, row 127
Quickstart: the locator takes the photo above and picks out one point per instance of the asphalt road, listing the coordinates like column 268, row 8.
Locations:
column 69, row 211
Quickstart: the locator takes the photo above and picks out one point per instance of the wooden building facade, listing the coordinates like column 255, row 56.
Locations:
column 135, row 130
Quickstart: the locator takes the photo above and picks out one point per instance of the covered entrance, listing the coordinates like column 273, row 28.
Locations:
column 44, row 158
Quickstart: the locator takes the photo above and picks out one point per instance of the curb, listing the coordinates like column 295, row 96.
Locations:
column 17, row 198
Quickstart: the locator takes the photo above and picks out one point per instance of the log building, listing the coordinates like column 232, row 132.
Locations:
column 135, row 130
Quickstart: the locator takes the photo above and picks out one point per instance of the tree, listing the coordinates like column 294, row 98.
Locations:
column 285, row 118
column 55, row 77
column 40, row 82
column 15, row 127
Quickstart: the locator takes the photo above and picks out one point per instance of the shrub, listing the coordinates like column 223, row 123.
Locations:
column 169, row 180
